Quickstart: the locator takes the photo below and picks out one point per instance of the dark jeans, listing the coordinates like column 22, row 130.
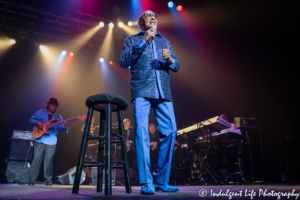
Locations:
column 40, row 151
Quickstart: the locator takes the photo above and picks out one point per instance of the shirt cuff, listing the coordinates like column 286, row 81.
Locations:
column 141, row 43
column 67, row 128
column 172, row 64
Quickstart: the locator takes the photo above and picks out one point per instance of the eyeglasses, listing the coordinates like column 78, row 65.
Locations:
column 149, row 15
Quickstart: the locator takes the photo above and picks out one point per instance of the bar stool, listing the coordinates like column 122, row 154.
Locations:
column 105, row 104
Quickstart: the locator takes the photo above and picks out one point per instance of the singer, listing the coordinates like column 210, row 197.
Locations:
column 150, row 57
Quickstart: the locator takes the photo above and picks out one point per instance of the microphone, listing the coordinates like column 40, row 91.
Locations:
column 154, row 28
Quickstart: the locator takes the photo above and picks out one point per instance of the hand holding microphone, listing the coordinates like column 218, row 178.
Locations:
column 150, row 34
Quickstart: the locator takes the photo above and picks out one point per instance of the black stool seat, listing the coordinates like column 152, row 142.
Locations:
column 104, row 98
column 105, row 104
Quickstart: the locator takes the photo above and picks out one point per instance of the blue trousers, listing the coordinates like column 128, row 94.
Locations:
column 165, row 118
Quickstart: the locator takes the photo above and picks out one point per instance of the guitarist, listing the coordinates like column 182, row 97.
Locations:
column 154, row 140
column 45, row 146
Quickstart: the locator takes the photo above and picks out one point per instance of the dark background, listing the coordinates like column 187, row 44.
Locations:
column 237, row 57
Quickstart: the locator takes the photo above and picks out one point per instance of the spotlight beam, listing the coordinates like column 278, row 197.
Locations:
column 106, row 46
column 130, row 30
column 82, row 39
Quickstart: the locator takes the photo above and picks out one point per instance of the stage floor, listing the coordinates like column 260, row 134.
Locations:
column 40, row 191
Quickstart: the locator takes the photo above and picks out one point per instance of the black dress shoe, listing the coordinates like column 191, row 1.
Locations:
column 48, row 183
column 31, row 183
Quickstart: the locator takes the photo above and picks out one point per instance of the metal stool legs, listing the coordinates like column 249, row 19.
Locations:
column 108, row 150
column 100, row 152
column 105, row 126
column 82, row 151
column 124, row 155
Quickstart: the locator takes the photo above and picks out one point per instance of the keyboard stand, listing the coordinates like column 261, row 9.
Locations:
column 206, row 166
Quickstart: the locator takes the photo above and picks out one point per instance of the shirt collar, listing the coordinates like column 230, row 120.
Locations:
column 48, row 113
column 143, row 33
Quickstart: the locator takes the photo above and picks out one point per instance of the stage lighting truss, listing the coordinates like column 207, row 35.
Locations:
column 212, row 5
column 47, row 23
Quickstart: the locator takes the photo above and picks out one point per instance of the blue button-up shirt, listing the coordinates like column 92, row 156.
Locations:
column 42, row 115
column 149, row 70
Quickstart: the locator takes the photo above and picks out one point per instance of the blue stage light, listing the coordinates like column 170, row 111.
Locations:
column 64, row 53
column 101, row 59
column 170, row 4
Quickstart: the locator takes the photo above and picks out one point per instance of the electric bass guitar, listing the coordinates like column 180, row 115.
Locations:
column 39, row 132
column 154, row 146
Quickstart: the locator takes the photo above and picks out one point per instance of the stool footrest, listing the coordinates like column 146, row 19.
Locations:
column 117, row 161
column 94, row 138
column 93, row 165
column 117, row 166
column 237, row 173
column 115, row 141
column 86, row 162
column 117, row 135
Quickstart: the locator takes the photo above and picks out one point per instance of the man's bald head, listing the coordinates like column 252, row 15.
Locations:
column 146, row 23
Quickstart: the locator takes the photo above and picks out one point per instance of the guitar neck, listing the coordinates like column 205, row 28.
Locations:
column 59, row 123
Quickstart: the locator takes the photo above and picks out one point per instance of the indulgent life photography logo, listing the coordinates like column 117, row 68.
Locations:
column 249, row 193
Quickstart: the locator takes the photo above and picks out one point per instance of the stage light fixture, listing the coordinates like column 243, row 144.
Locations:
column 129, row 23
column 63, row 52
column 110, row 62
column 71, row 54
column 111, row 25
column 101, row 60
column 101, row 24
column 43, row 48
column 179, row 8
column 120, row 24
column 170, row 4
column 12, row 41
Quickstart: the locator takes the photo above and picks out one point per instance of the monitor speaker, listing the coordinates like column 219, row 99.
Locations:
column 17, row 171
column 69, row 177
column 20, row 150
